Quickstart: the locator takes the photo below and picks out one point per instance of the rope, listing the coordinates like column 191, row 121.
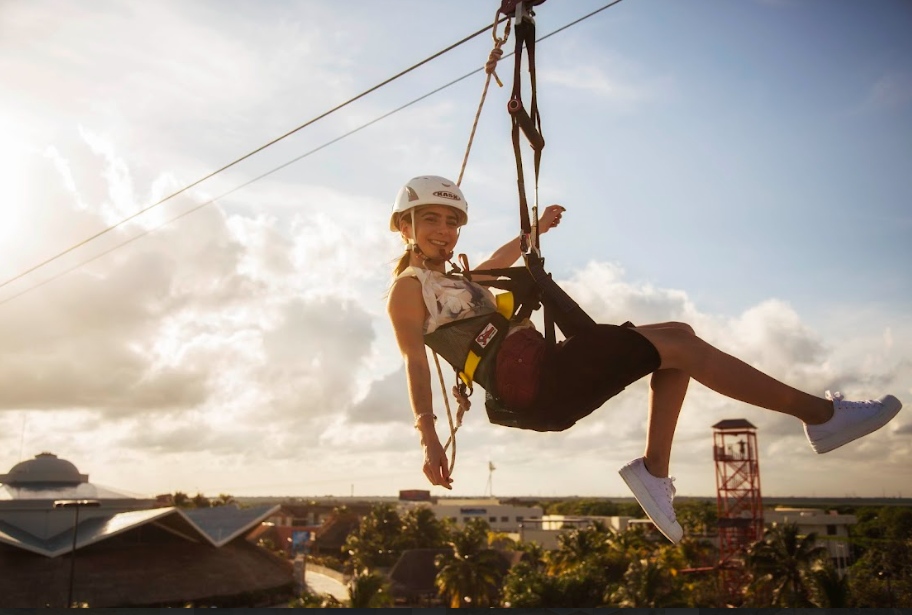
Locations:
column 490, row 69
column 490, row 66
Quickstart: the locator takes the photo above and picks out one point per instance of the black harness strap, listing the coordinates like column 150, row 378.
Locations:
column 529, row 124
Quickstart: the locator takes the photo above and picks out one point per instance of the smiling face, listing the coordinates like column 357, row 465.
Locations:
column 437, row 231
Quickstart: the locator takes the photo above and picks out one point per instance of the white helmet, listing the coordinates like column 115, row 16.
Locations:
column 429, row 190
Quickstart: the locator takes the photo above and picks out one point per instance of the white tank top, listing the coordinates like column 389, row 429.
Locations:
column 448, row 299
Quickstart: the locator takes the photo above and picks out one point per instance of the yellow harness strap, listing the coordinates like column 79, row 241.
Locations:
column 505, row 305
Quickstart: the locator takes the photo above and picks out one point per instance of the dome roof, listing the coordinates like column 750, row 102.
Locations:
column 44, row 468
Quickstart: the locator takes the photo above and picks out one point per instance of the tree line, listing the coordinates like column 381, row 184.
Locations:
column 597, row 567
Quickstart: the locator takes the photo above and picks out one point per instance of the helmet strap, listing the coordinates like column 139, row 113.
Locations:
column 412, row 245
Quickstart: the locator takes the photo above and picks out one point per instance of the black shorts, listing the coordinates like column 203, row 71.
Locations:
column 582, row 372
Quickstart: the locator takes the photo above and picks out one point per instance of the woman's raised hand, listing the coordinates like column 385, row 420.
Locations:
column 550, row 218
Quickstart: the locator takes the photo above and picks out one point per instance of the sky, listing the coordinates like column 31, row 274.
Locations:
column 745, row 167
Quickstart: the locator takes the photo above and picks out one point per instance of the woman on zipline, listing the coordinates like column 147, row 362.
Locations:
column 429, row 212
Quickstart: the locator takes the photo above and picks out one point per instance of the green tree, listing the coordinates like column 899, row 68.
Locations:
column 369, row 591
column 592, row 507
column 697, row 516
column 376, row 543
column 422, row 530
column 309, row 600
column 588, row 561
column 781, row 563
column 882, row 573
column 578, row 546
column 200, row 501
column 828, row 589
column 181, row 499
column 224, row 499
column 472, row 575
column 647, row 584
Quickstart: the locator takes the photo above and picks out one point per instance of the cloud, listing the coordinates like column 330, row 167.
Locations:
column 205, row 333
column 259, row 335
column 608, row 76
column 599, row 82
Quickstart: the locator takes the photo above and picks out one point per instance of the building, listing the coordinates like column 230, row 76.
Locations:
column 831, row 528
column 64, row 540
column 501, row 517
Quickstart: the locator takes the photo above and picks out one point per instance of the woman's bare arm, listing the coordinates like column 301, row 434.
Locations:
column 510, row 252
column 407, row 313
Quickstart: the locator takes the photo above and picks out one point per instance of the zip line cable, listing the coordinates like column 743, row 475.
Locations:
column 236, row 188
column 257, row 178
column 248, row 155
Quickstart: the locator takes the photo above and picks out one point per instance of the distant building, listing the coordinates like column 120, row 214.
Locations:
column 501, row 517
column 124, row 551
column 314, row 528
column 832, row 529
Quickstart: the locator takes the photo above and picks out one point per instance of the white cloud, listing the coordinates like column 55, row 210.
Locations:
column 249, row 338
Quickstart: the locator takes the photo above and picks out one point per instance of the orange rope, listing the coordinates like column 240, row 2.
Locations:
column 490, row 70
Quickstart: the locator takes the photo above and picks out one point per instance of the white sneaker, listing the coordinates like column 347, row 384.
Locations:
column 655, row 495
column 851, row 420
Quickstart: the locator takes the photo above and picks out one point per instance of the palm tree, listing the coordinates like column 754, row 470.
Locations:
column 422, row 530
column 224, row 499
column 472, row 574
column 646, row 584
column 369, row 591
column 830, row 591
column 578, row 546
column 782, row 561
column 376, row 543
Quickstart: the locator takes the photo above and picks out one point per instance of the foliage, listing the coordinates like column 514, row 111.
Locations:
column 308, row 600
column 182, row 500
column 587, row 561
column 592, row 507
column 471, row 575
column 828, row 589
column 368, row 591
column 422, row 530
column 647, row 583
column 780, row 564
column 377, row 542
column 697, row 516
column 882, row 575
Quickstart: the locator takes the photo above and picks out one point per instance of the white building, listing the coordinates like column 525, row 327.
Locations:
column 547, row 530
column 832, row 529
column 501, row 517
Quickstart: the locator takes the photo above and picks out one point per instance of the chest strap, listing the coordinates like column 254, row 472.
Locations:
column 465, row 344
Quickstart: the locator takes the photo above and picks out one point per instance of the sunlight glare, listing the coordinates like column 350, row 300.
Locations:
column 12, row 195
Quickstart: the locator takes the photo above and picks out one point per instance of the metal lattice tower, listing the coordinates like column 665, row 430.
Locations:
column 740, row 505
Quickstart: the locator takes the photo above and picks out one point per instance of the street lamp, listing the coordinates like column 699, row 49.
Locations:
column 75, row 504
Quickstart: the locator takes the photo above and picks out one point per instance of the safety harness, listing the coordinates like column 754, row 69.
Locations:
column 528, row 287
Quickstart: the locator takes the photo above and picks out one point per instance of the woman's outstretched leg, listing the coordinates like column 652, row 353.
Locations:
column 667, row 389
column 680, row 349
column 829, row 423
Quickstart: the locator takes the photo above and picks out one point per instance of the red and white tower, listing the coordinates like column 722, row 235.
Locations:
column 740, row 505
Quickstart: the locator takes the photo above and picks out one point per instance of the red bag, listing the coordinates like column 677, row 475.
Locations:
column 518, row 368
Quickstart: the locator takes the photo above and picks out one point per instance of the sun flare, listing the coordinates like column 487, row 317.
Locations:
column 12, row 195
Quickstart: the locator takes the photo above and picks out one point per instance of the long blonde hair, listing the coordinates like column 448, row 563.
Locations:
column 403, row 263
column 406, row 259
